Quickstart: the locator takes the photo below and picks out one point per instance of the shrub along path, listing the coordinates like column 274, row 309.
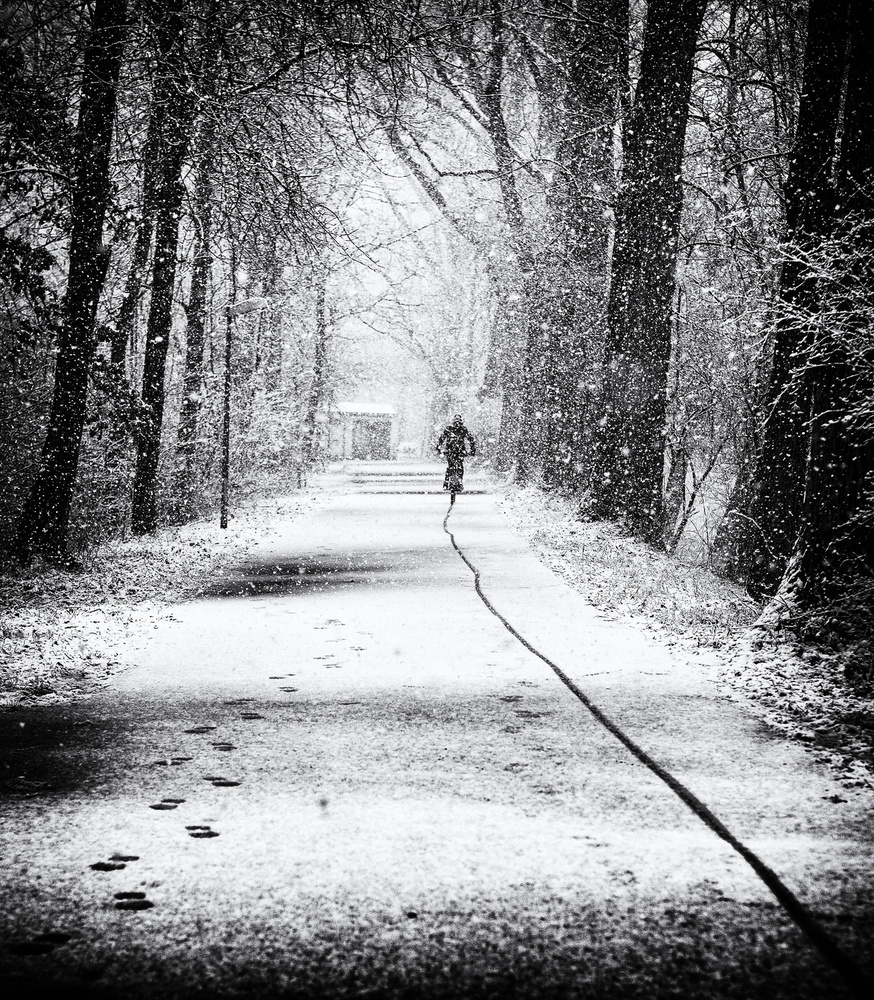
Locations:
column 336, row 774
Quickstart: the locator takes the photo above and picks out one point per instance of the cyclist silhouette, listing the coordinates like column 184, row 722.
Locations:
column 453, row 443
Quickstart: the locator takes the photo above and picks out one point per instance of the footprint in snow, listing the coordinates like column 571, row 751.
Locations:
column 250, row 715
column 115, row 863
column 201, row 831
column 224, row 747
column 201, row 729
column 165, row 804
column 42, row 944
column 172, row 762
column 133, row 901
column 217, row 781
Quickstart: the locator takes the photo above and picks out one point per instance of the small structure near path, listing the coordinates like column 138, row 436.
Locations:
column 363, row 431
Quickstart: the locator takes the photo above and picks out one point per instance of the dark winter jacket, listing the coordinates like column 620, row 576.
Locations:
column 452, row 441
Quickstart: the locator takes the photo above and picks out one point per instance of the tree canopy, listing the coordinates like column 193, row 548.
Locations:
column 631, row 241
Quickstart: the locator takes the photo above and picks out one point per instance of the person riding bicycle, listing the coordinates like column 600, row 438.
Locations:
column 452, row 444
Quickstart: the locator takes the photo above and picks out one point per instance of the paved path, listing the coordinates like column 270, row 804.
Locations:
column 369, row 788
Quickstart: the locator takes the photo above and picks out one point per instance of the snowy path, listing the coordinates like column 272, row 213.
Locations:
column 368, row 787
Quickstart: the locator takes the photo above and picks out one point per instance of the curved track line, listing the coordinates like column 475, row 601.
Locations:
column 841, row 962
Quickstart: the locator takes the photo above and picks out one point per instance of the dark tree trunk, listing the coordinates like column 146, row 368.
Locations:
column 565, row 334
column 271, row 345
column 173, row 147
column 201, row 269
column 46, row 516
column 124, row 324
column 835, row 544
column 192, row 389
column 489, row 89
column 768, row 525
column 320, row 365
column 503, row 371
column 508, row 434
column 629, row 458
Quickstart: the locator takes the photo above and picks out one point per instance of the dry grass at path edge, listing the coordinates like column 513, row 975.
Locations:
column 802, row 691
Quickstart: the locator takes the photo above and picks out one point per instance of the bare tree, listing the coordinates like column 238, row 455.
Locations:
column 45, row 519
column 833, row 553
column 174, row 93
column 629, row 461
column 767, row 521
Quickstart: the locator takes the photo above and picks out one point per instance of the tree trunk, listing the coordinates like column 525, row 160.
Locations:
column 201, row 268
column 320, row 364
column 769, row 523
column 490, row 94
column 173, row 148
column 835, row 543
column 572, row 288
column 192, row 389
column 508, row 434
column 271, row 346
column 629, row 459
column 45, row 520
column 503, row 369
column 124, row 324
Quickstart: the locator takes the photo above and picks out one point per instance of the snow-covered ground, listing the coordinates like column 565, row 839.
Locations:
column 334, row 773
column 63, row 634
column 801, row 690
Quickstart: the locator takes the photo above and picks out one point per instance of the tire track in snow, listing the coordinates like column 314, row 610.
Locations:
column 831, row 951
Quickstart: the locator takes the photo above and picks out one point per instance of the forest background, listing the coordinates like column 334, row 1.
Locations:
column 631, row 242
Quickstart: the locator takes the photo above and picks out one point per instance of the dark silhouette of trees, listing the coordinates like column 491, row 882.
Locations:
column 571, row 59
column 173, row 94
column 565, row 334
column 628, row 468
column 195, row 309
column 45, row 518
column 764, row 531
column 833, row 553
column 145, row 230
column 655, row 229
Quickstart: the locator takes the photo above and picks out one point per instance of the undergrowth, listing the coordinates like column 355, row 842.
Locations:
column 61, row 632
column 809, row 691
column 618, row 573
